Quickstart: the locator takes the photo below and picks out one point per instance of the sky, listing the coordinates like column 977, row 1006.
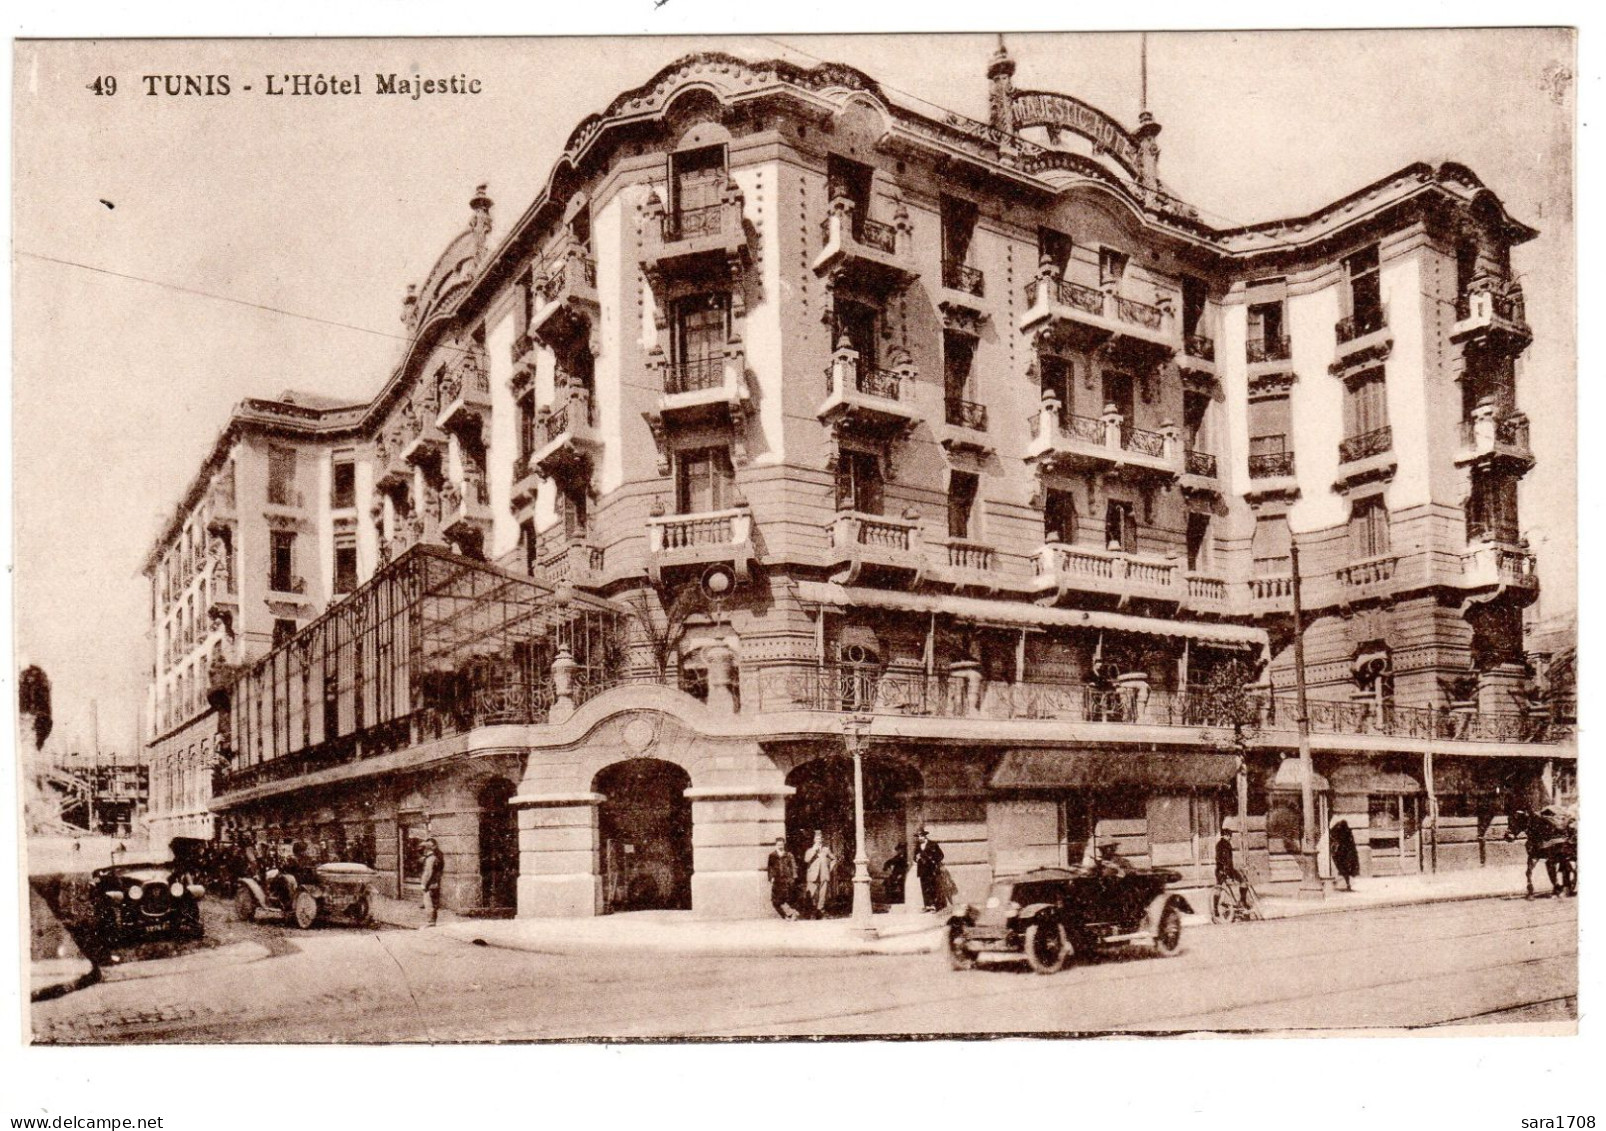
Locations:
column 174, row 255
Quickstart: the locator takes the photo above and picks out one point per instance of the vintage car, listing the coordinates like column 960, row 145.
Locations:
column 329, row 891
column 1049, row 915
column 133, row 901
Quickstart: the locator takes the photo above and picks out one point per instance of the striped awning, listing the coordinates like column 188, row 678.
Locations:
column 1095, row 769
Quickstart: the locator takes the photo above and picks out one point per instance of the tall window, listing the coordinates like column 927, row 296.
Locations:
column 857, row 322
column 1120, row 526
column 704, row 481
column 281, row 561
column 528, row 441
column 1194, row 292
column 1054, row 247
column 962, row 487
column 1365, row 290
column 281, row 476
column 283, row 630
column 1269, row 548
column 699, row 331
column 858, row 481
column 1466, row 269
column 1059, row 517
column 958, row 230
column 853, row 180
column 1195, row 407
column 1492, row 506
column 1369, row 528
column 572, row 509
column 697, row 183
column 1271, row 448
column 1266, row 337
column 1365, row 404
column 1112, row 267
column 1118, row 392
column 343, row 485
column 958, row 353
column 1199, row 542
column 345, row 568
column 1057, row 379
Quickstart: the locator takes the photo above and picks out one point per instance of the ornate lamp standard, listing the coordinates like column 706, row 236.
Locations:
column 854, row 727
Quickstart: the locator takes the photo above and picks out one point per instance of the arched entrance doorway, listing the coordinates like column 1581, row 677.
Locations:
column 824, row 801
column 645, row 829
column 499, row 845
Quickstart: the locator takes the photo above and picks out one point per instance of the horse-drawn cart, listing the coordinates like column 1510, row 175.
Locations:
column 334, row 892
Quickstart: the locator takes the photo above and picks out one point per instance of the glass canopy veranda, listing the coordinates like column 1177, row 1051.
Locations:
column 432, row 644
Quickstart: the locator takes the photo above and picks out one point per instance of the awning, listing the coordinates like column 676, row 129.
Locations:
column 1288, row 778
column 1094, row 769
column 1020, row 613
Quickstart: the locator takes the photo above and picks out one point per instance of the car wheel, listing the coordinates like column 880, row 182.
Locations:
column 245, row 904
column 959, row 955
column 1046, row 947
column 1168, row 937
column 305, row 909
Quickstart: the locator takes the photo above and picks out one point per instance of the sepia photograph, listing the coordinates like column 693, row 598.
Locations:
column 765, row 538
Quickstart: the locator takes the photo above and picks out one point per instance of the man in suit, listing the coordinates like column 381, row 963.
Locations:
column 430, row 879
column 821, row 863
column 928, row 866
column 783, row 879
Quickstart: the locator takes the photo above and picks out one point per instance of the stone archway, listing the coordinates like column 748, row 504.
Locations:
column 824, row 801
column 644, row 825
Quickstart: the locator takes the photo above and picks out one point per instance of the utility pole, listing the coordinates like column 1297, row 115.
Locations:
column 1310, row 884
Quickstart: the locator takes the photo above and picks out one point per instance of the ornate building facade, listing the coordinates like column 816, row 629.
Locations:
column 786, row 403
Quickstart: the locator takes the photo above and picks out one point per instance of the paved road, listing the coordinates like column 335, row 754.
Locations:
column 1443, row 964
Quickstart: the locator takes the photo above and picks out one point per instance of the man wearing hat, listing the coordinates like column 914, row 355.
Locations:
column 431, row 879
column 928, row 866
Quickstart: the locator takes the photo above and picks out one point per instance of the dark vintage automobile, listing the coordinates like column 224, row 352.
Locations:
column 134, row 901
column 1050, row 915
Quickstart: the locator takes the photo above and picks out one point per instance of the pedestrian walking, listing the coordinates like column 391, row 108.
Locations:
column 928, row 866
column 821, row 863
column 1346, row 861
column 783, row 879
column 430, row 879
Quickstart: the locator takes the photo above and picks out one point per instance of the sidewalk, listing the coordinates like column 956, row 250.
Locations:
column 677, row 932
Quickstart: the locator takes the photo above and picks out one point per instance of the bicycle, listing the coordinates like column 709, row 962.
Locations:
column 1235, row 901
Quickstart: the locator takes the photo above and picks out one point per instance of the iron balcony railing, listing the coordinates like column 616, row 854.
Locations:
column 1359, row 325
column 687, row 223
column 1142, row 441
column 1367, row 444
column 1089, row 300
column 1271, row 465
column 1267, row 348
column 873, row 233
column 1508, row 308
column 872, row 382
column 1200, row 346
column 694, row 375
column 965, row 414
column 1200, row 463
column 959, row 276
column 874, row 690
column 1139, row 313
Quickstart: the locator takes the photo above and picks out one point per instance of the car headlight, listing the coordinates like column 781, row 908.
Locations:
column 135, row 891
column 176, row 890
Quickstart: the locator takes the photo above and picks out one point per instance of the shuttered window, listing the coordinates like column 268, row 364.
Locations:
column 1369, row 528
column 1270, row 546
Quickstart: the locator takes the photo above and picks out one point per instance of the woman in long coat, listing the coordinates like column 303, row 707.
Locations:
column 1346, row 861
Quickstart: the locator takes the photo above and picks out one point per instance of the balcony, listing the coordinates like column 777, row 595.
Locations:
column 963, row 289
column 391, row 472
column 1366, row 457
column 466, row 512
column 865, row 253
column 576, row 563
column 1198, row 356
column 465, row 395
column 221, row 514
column 1062, row 441
column 705, row 241
column 1497, row 567
column 526, row 482
column 1085, row 317
column 1361, row 330
column 701, row 390
column 1067, row 571
column 878, row 544
column 1495, row 441
column 965, row 425
column 287, row 588
column 1199, row 472
column 1271, row 591
column 568, row 436
column 564, row 301
column 1271, row 473
column 1273, row 350
column 1493, row 320
column 697, row 540
column 425, row 447
column 1365, row 580
column 967, row 565
column 868, row 397
column 1203, row 593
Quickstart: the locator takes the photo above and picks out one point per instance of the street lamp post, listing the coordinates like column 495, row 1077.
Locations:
column 854, row 726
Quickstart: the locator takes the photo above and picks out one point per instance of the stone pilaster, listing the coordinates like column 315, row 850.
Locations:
column 560, row 874
column 733, row 831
